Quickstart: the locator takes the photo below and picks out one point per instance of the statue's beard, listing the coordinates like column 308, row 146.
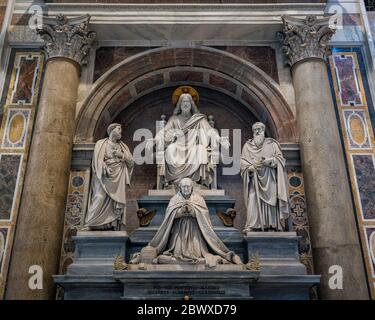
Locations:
column 259, row 139
column 186, row 112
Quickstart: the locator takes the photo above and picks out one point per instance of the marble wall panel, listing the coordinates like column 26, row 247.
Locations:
column 23, row 90
column 357, row 129
column 19, row 104
column 365, row 184
column 9, row 170
column 347, row 80
column 354, row 110
column 16, row 128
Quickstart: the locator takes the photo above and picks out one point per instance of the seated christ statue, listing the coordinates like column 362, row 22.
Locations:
column 186, row 234
column 187, row 141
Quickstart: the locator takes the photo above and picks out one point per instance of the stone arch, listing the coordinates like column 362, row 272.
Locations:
column 154, row 69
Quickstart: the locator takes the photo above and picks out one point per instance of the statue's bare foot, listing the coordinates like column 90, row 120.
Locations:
column 237, row 260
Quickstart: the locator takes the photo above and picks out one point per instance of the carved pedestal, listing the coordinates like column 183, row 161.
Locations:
column 277, row 252
column 91, row 274
column 282, row 275
column 96, row 250
column 187, row 282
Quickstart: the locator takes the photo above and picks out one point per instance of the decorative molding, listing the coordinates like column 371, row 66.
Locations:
column 145, row 217
column 299, row 218
column 306, row 38
column 67, row 38
column 227, row 218
column 129, row 13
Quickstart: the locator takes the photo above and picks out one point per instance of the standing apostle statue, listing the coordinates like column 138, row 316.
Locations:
column 265, row 182
column 112, row 167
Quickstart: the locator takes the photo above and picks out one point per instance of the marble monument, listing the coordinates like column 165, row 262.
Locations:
column 186, row 235
column 265, row 182
column 187, row 140
column 112, row 168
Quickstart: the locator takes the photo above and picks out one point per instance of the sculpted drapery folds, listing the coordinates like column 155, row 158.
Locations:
column 187, row 141
column 265, row 182
column 112, row 167
column 186, row 234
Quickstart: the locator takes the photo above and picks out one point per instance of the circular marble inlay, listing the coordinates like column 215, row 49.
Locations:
column 77, row 181
column 357, row 129
column 16, row 128
column 295, row 181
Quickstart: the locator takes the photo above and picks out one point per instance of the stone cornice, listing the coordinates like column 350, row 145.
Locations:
column 114, row 13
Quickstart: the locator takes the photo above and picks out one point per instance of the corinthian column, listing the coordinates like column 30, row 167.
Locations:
column 40, row 222
column 332, row 219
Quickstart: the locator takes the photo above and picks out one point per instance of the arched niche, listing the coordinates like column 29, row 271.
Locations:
column 137, row 91
column 167, row 67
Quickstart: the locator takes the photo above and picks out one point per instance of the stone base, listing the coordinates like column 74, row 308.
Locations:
column 92, row 274
column 229, row 282
column 278, row 252
column 186, row 267
column 96, row 250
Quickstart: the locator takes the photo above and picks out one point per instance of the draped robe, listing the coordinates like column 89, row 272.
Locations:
column 189, row 238
column 188, row 156
column 107, row 199
column 266, row 189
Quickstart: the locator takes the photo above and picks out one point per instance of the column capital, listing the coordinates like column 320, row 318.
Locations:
column 306, row 38
column 66, row 38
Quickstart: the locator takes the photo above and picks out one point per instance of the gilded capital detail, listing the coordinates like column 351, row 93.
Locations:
column 306, row 38
column 67, row 38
